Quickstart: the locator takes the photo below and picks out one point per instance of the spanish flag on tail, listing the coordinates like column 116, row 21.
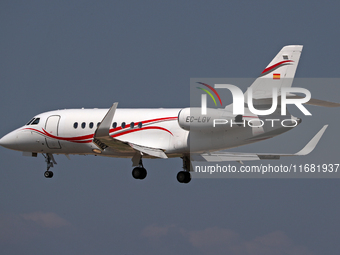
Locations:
column 276, row 76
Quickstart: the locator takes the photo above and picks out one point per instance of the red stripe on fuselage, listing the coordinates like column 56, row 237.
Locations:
column 88, row 138
column 139, row 129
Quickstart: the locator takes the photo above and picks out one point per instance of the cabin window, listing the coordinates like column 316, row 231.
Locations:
column 75, row 125
column 36, row 121
column 83, row 125
column 30, row 121
column 123, row 124
column 91, row 125
column 132, row 125
column 140, row 124
column 98, row 124
column 114, row 124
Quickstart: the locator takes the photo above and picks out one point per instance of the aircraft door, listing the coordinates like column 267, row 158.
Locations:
column 51, row 127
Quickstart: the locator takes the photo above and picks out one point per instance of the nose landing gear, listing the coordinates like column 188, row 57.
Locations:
column 48, row 174
column 49, row 159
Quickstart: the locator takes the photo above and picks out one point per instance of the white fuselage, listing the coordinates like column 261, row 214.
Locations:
column 71, row 132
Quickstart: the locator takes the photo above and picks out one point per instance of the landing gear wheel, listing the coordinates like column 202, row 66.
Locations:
column 139, row 173
column 48, row 174
column 183, row 177
column 49, row 159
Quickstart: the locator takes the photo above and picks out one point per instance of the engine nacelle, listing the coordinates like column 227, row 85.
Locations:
column 191, row 119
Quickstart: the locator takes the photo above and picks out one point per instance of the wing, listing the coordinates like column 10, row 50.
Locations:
column 103, row 139
column 238, row 156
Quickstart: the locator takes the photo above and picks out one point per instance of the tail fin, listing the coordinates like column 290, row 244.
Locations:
column 279, row 73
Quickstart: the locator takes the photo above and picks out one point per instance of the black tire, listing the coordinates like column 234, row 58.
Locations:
column 48, row 174
column 136, row 173
column 183, row 177
column 143, row 173
column 139, row 173
column 187, row 177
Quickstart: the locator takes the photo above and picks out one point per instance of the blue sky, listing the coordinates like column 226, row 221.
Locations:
column 72, row 54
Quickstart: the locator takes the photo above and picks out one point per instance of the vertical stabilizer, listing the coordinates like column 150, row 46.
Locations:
column 279, row 73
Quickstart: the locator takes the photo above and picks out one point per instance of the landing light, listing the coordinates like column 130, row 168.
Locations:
column 97, row 151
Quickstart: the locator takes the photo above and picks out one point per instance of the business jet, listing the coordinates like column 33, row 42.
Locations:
column 165, row 133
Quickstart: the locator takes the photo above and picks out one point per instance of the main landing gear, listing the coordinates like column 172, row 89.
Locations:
column 184, row 176
column 140, row 172
column 49, row 159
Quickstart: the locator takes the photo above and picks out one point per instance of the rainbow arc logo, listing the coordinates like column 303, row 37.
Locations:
column 209, row 93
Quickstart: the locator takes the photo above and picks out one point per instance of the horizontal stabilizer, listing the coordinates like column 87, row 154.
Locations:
column 316, row 102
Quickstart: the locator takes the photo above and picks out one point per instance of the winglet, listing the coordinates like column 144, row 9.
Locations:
column 103, row 129
column 312, row 143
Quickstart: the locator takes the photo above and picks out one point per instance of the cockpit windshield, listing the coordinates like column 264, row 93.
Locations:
column 36, row 121
column 30, row 122
column 33, row 121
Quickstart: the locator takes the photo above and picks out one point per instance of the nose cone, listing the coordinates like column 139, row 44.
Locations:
column 9, row 141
